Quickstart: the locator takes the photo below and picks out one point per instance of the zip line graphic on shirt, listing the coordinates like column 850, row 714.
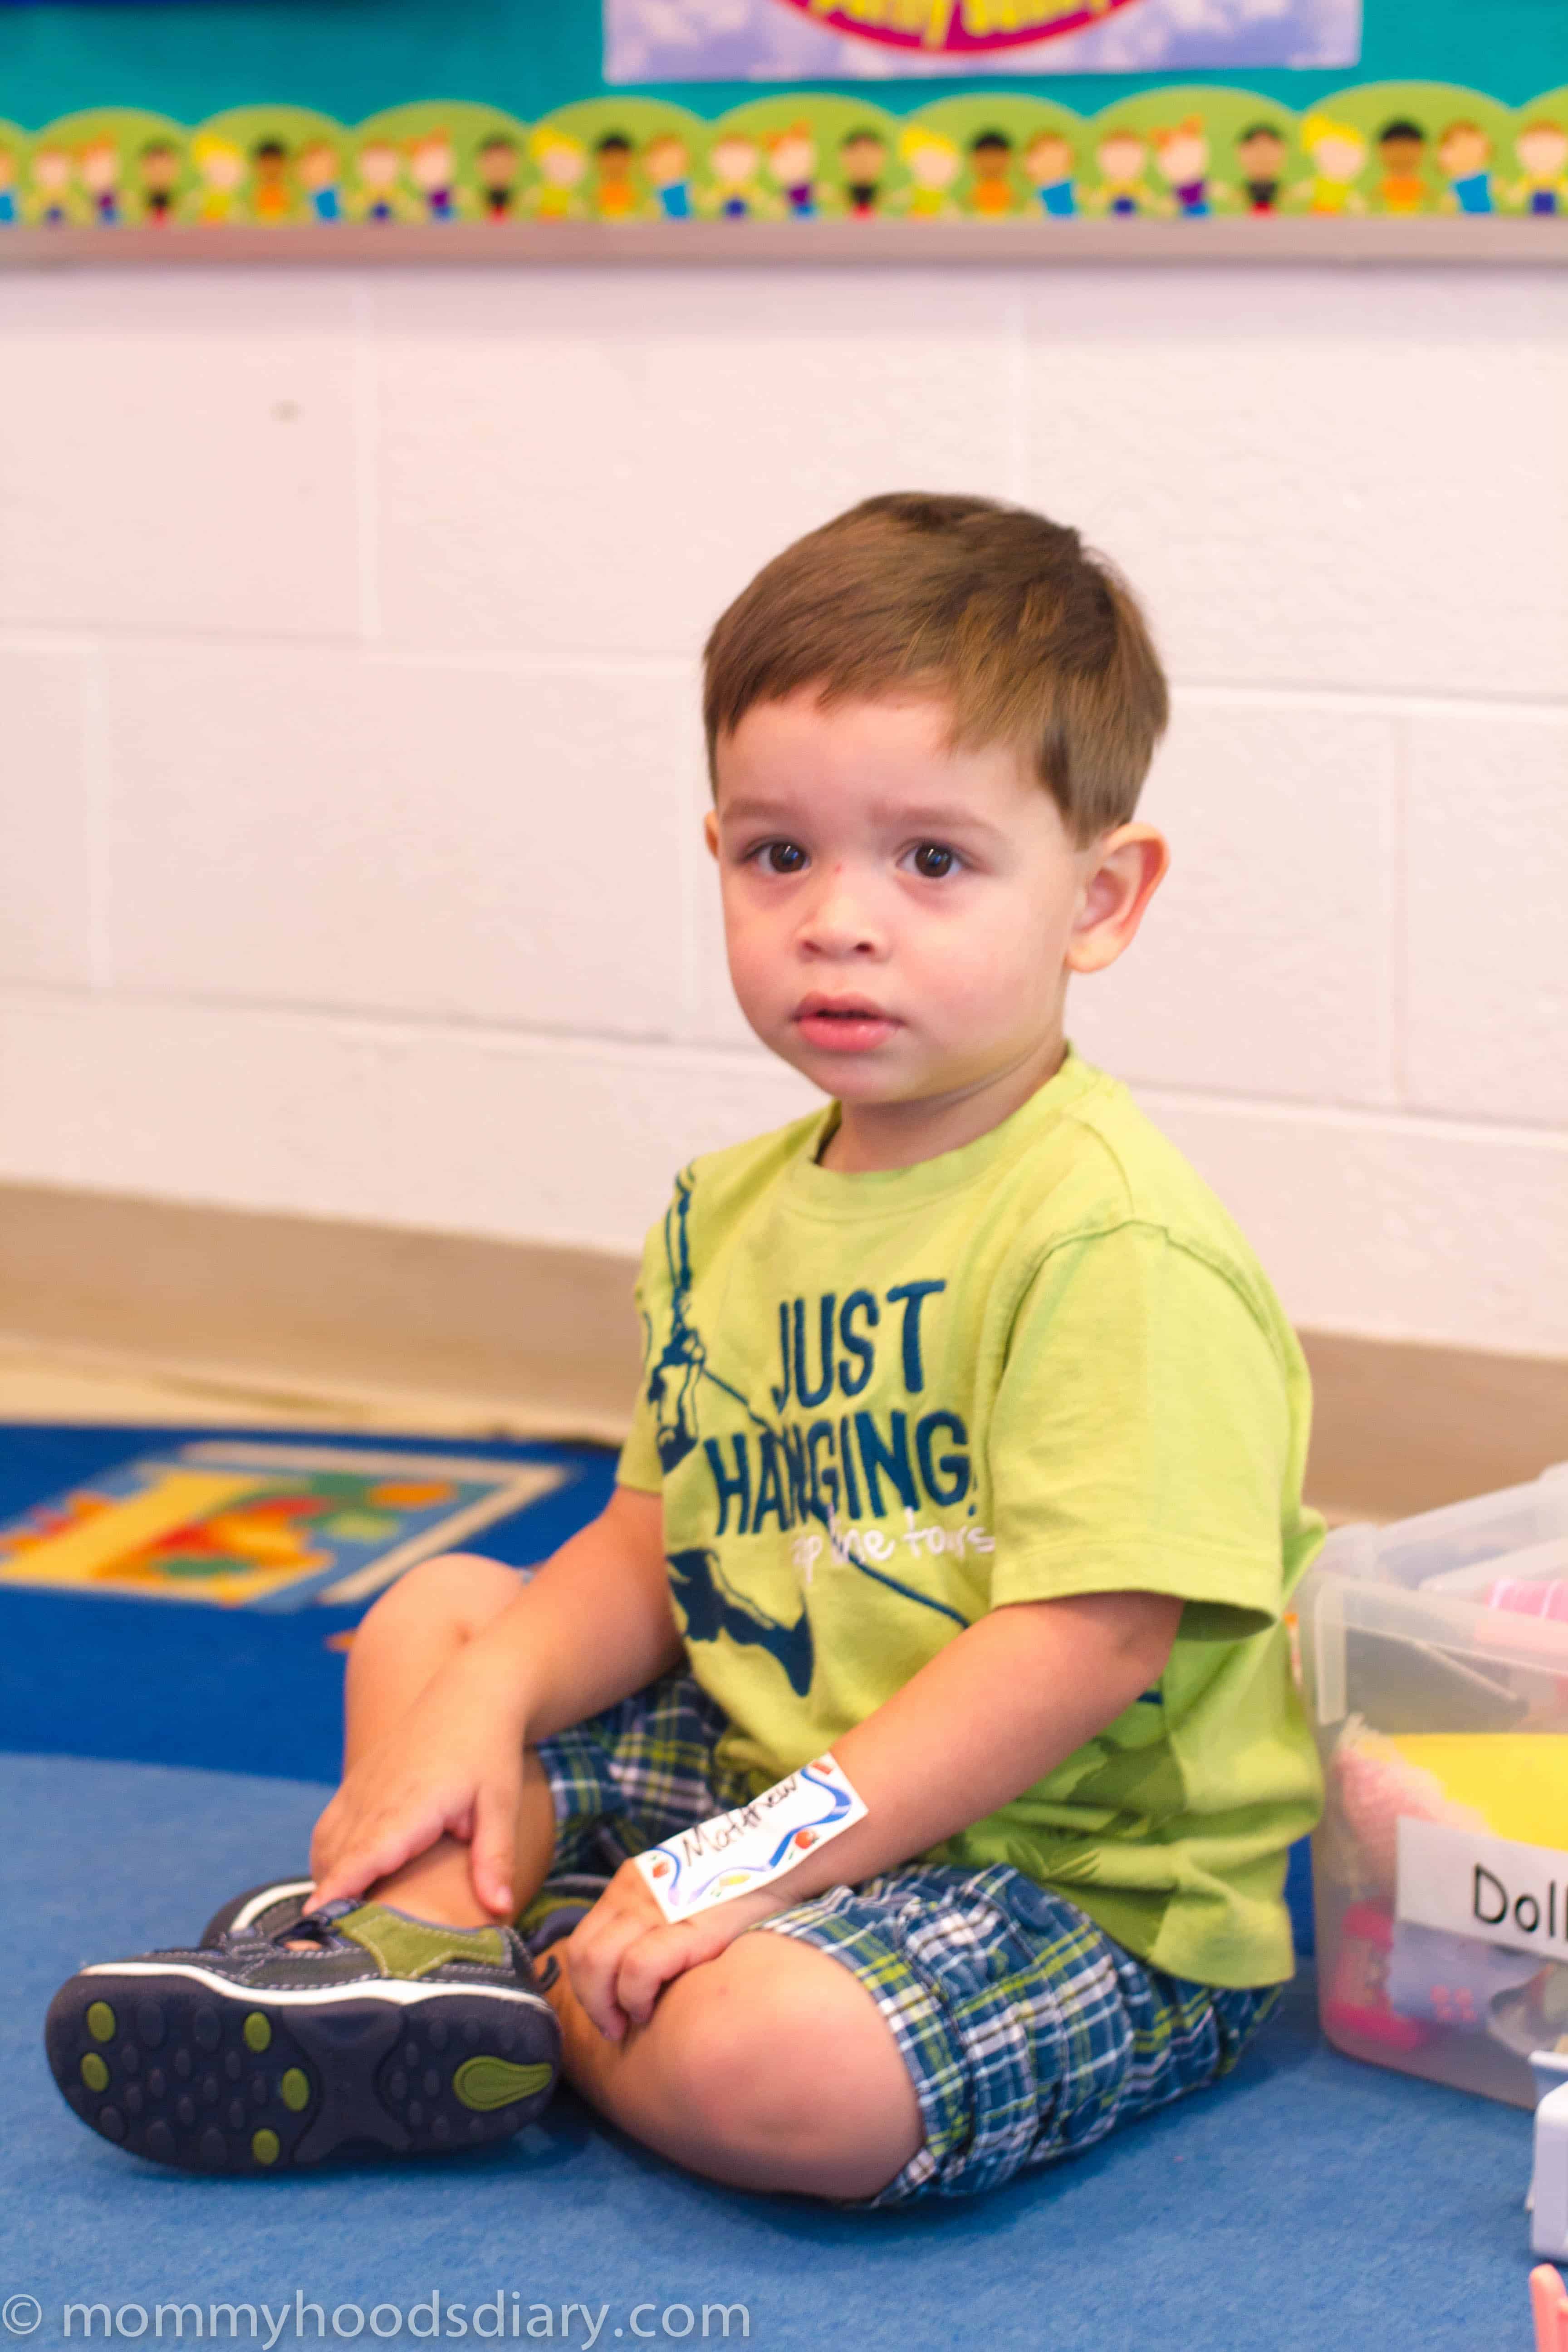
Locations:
column 801, row 1470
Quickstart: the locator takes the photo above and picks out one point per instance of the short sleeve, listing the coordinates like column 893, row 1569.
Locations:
column 640, row 1465
column 1140, row 1438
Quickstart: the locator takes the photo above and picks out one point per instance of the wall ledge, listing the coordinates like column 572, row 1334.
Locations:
column 1243, row 241
column 305, row 1315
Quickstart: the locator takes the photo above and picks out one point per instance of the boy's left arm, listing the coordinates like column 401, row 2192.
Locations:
column 1004, row 1703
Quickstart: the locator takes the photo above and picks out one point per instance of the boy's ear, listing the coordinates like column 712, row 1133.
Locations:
column 711, row 832
column 1125, row 867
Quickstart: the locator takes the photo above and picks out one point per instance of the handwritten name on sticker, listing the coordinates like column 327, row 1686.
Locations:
column 738, row 1852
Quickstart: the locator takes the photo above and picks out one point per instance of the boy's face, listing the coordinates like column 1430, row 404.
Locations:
column 1185, row 155
column 99, row 166
column 734, row 161
column 1262, row 155
column 1048, row 159
column 432, row 162
column 1464, row 151
column 1337, row 157
column 1401, row 152
column 1542, row 149
column 901, row 917
column 793, row 158
column 497, row 164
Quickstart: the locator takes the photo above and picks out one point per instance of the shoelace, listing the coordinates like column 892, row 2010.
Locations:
column 318, row 1926
column 315, row 1927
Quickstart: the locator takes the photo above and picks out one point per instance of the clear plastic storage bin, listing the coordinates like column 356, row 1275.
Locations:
column 1435, row 1662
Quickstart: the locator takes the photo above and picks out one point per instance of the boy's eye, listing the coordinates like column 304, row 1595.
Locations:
column 934, row 861
column 781, row 857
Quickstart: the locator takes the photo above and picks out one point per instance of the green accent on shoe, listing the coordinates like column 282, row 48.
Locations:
column 257, row 2032
column 486, row 2084
column 543, row 1908
column 266, row 2146
column 296, row 2089
column 101, row 2022
column 94, row 2072
column 413, row 1947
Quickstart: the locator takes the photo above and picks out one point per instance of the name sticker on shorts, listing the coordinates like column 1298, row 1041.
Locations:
column 737, row 1852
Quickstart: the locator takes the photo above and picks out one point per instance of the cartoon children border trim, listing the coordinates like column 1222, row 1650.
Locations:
column 1394, row 150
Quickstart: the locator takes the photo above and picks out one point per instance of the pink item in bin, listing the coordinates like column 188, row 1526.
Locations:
column 1376, row 1789
column 1357, row 2000
column 1524, row 1598
column 1549, row 2303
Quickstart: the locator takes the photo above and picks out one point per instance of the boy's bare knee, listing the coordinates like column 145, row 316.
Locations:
column 783, row 2066
column 458, row 1588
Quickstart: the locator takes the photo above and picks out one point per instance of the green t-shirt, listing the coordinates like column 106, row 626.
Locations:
column 877, row 1406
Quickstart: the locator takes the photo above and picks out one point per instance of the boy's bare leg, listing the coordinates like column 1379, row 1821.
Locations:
column 414, row 1629
column 771, row 2067
column 768, row 2068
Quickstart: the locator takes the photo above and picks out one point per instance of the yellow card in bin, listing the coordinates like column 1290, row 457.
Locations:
column 1517, row 1780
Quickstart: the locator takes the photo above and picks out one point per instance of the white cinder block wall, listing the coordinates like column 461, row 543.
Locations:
column 351, row 776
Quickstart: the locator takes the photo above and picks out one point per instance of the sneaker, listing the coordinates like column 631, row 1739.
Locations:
column 390, row 2032
column 260, row 1911
column 272, row 1908
column 555, row 1912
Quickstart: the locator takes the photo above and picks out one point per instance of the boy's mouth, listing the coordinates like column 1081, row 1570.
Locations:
column 842, row 1024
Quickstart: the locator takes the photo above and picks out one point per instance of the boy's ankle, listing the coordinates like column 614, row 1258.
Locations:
column 435, row 1887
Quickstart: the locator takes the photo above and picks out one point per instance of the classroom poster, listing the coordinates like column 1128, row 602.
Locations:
column 793, row 40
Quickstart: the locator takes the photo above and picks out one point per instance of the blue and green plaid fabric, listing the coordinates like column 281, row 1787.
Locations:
column 1028, row 2032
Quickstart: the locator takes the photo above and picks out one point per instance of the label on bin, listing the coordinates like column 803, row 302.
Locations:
column 1493, row 1889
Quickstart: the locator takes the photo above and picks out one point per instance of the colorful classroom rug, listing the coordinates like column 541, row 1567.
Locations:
column 184, row 1596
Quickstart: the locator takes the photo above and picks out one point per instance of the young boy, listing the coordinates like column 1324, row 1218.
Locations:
column 969, row 1450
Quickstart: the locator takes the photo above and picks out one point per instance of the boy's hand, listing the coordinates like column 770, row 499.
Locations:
column 624, row 1952
column 453, row 1768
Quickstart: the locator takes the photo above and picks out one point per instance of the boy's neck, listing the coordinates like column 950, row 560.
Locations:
column 872, row 1137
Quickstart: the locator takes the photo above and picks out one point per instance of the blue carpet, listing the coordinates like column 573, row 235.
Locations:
column 1307, row 2203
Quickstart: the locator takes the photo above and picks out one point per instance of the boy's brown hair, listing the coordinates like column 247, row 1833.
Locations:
column 1032, row 639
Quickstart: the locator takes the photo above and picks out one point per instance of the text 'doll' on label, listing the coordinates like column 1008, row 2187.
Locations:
column 1495, row 1890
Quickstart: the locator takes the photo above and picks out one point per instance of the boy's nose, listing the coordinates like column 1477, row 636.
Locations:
column 840, row 923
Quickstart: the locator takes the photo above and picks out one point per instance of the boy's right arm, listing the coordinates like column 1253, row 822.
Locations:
column 591, row 1626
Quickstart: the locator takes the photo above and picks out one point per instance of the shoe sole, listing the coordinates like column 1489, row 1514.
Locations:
column 170, row 2061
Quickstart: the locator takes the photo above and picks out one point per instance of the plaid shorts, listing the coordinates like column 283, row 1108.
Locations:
column 1028, row 2032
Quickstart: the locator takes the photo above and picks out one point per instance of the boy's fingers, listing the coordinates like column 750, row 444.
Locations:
column 369, row 1858
column 350, row 1875
column 593, row 1959
column 492, row 1849
column 647, row 1965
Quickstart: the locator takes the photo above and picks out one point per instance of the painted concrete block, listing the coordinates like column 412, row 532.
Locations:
column 1318, row 477
column 597, row 462
column 1262, row 967
column 443, row 841
column 48, row 878
column 460, row 1131
column 1486, row 945
column 1397, row 1227
column 178, row 452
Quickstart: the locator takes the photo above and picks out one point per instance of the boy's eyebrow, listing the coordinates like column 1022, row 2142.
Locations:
column 933, row 816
